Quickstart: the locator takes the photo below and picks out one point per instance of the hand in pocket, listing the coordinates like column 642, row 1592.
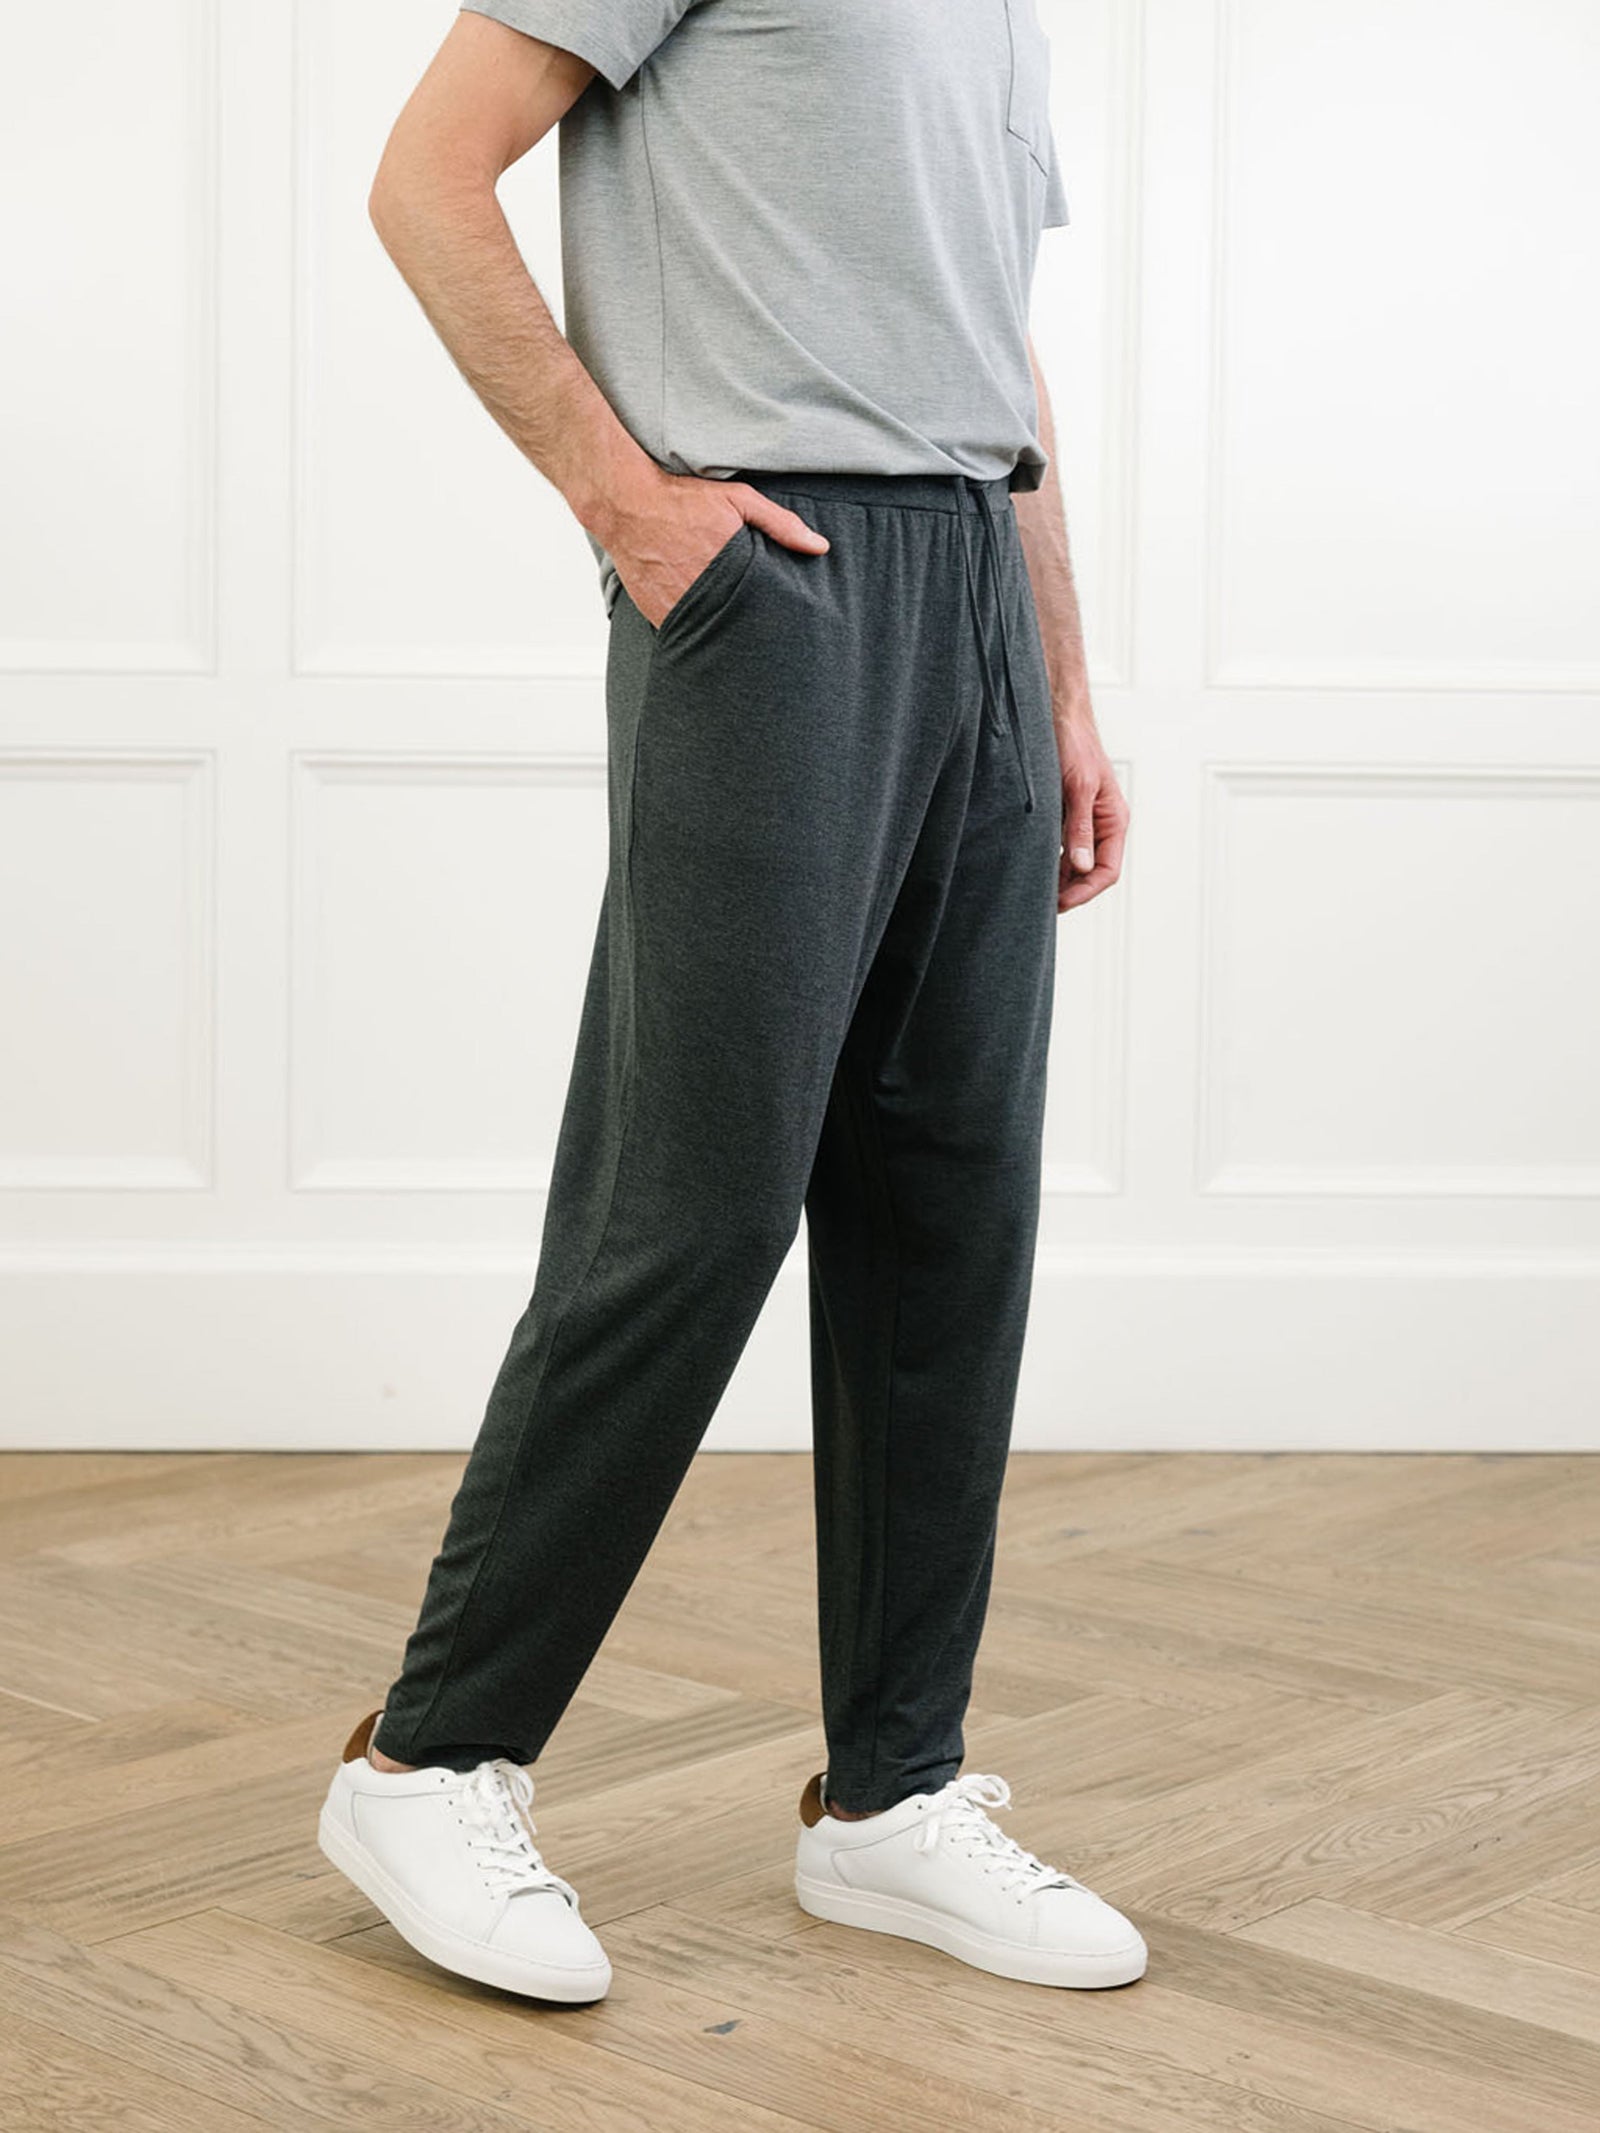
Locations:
column 665, row 540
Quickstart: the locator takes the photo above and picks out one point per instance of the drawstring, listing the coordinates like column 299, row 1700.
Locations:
column 975, row 488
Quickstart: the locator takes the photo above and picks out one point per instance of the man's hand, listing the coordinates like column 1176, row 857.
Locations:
column 662, row 530
column 1094, row 815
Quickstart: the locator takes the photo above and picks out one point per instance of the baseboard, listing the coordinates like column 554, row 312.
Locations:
column 285, row 1349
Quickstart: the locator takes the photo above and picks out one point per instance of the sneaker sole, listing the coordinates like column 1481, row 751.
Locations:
column 912, row 1921
column 451, row 1951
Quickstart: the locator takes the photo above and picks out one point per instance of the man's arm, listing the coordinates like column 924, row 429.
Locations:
column 1094, row 812
column 490, row 93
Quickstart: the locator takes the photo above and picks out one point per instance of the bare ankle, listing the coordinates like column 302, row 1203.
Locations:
column 380, row 1761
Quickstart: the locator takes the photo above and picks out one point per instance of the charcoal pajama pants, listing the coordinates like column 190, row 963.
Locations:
column 821, row 982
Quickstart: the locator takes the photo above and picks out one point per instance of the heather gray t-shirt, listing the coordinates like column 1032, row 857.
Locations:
column 801, row 233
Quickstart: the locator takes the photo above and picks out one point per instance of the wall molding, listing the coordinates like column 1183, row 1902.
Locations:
column 1215, row 1175
column 195, row 651
column 325, row 1347
column 193, row 1168
column 311, row 773
column 1245, row 671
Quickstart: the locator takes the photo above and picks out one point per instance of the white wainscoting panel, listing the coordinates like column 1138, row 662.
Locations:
column 1406, row 483
column 108, row 120
column 1395, row 965
column 106, row 932
column 439, row 960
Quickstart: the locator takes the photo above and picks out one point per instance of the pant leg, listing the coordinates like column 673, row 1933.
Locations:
column 772, row 753
column 922, row 1216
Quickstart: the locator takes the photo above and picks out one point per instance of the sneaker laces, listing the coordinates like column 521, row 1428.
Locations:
column 958, row 1810
column 494, row 1805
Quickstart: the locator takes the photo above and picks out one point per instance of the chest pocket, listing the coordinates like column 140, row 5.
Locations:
column 1028, row 104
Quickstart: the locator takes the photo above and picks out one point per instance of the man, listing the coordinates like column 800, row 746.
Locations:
column 846, row 731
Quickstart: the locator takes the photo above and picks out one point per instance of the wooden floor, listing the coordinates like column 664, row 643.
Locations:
column 1326, row 1727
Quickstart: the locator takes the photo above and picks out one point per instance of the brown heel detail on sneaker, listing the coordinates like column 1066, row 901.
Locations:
column 811, row 1807
column 358, row 1742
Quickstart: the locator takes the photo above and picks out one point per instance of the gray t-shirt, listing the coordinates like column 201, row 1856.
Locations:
column 801, row 233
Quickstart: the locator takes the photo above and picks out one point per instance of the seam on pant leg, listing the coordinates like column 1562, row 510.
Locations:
column 630, row 1090
column 875, row 1134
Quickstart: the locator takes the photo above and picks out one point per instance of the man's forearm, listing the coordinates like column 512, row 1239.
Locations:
column 1041, row 519
column 454, row 248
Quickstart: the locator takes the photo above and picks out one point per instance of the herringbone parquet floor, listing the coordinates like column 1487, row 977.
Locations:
column 1327, row 1727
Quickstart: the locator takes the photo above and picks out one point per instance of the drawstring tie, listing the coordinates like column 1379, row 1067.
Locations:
column 975, row 488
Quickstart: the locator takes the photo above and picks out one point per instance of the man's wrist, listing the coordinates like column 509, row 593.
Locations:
column 601, row 481
column 1071, row 708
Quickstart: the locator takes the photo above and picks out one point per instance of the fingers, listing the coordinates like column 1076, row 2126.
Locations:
column 1094, row 831
column 1109, row 852
column 1078, row 835
column 784, row 525
column 1078, row 888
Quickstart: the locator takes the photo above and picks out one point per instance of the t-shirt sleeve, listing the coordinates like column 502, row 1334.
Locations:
column 1055, row 198
column 615, row 36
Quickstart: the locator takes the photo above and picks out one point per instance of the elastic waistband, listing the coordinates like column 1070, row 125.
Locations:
column 910, row 492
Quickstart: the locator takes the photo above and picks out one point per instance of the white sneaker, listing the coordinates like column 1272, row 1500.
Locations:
column 448, row 1857
column 934, row 1868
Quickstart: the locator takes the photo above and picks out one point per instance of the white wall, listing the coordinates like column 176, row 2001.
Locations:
column 301, row 772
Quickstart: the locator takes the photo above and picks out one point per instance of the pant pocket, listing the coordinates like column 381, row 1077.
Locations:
column 716, row 585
